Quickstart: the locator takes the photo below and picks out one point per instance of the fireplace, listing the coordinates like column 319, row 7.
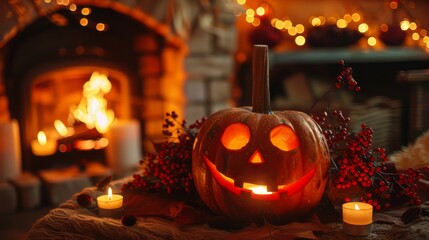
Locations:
column 48, row 63
column 157, row 58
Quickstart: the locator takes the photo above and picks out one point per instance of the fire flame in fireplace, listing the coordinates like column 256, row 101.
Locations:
column 92, row 110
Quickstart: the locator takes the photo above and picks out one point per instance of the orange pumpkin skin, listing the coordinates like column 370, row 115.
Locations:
column 296, row 177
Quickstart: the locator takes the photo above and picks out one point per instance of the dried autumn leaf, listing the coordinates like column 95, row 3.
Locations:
column 411, row 214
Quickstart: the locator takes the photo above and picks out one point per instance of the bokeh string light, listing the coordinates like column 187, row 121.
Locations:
column 82, row 14
column 354, row 20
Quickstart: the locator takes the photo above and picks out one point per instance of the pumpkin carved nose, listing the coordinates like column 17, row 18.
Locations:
column 256, row 158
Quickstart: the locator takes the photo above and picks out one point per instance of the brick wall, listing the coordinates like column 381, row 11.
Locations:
column 210, row 66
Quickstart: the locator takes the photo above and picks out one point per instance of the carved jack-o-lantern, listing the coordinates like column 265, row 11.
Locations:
column 251, row 162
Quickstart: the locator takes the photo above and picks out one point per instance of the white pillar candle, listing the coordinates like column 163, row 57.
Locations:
column 124, row 152
column 10, row 150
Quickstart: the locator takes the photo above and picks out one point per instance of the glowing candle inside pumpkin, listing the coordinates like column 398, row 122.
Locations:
column 257, row 189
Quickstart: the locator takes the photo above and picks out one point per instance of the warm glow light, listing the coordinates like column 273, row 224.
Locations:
column 355, row 17
column 372, row 41
column 250, row 12
column 393, row 5
column 106, row 203
column 83, row 22
column 66, row 2
column 384, row 27
column 299, row 28
column 84, row 145
column 260, row 11
column 256, row 22
column 423, row 32
column 279, row 25
column 249, row 19
column 287, row 24
column 322, row 20
column 292, row 31
column 41, row 138
column 357, row 213
column 331, row 20
column 348, row 18
column 256, row 158
column 103, row 142
column 85, row 11
column 236, row 136
column 290, row 189
column 405, row 25
column 415, row 36
column 47, row 1
column 300, row 40
column 258, row 189
column 109, row 194
column 426, row 39
column 241, row 2
column 92, row 110
column 284, row 138
column 316, row 22
column 100, row 27
column 341, row 23
column 363, row 27
column 61, row 128
column 413, row 26
column 60, row 2
column 73, row 7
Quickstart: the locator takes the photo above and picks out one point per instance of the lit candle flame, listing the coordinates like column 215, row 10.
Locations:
column 61, row 128
column 357, row 207
column 109, row 194
column 41, row 138
column 260, row 190
column 257, row 189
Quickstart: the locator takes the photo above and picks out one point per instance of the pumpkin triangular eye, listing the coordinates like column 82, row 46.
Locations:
column 284, row 138
column 235, row 136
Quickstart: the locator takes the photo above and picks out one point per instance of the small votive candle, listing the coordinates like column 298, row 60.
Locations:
column 357, row 218
column 110, row 205
column 43, row 146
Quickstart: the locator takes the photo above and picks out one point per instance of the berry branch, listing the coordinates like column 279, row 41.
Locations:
column 169, row 169
column 356, row 162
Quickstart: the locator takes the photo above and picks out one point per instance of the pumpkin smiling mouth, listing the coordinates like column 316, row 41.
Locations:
column 260, row 191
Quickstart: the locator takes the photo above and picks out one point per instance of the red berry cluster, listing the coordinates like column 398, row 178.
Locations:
column 346, row 78
column 356, row 162
column 170, row 168
column 335, row 127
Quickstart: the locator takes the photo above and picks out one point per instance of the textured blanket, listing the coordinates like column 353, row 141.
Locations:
column 157, row 220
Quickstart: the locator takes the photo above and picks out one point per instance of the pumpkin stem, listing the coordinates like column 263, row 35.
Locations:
column 260, row 81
